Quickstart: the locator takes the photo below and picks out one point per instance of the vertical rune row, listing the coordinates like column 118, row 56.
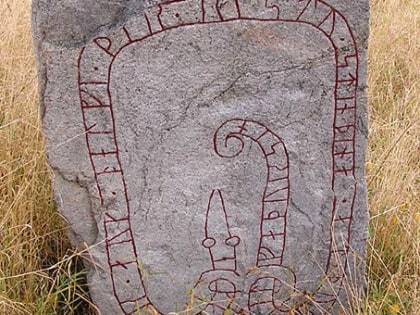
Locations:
column 98, row 120
column 335, row 27
column 275, row 201
column 95, row 64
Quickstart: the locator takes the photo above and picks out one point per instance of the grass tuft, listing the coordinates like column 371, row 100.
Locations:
column 394, row 158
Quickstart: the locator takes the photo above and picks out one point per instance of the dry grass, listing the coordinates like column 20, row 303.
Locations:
column 38, row 272
column 394, row 158
column 35, row 273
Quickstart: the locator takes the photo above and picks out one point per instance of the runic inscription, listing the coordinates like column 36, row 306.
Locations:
column 270, row 286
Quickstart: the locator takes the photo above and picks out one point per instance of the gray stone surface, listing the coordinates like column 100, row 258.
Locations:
column 211, row 153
